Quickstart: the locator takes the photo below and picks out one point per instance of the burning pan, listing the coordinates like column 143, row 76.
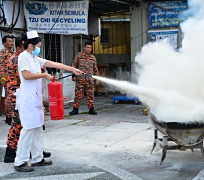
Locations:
column 182, row 134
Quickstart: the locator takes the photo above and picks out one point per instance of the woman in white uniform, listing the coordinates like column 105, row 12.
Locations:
column 30, row 108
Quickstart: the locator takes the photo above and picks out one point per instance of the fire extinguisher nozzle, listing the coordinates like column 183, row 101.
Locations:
column 89, row 75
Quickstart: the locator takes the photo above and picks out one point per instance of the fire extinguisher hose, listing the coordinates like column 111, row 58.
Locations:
column 89, row 75
column 64, row 77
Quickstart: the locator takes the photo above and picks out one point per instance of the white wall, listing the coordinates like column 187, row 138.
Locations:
column 138, row 33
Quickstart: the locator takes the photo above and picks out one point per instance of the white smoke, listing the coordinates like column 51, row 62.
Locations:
column 179, row 76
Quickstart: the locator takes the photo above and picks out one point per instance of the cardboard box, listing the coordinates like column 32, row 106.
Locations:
column 95, row 88
column 102, row 88
column 103, row 71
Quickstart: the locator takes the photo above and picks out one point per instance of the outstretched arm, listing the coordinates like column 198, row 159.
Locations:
column 61, row 66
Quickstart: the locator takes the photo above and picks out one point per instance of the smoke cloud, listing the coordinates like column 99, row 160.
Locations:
column 172, row 83
column 179, row 75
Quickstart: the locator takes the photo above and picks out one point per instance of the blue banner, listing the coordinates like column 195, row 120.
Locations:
column 166, row 14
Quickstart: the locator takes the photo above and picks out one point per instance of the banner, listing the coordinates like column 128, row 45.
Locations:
column 166, row 14
column 57, row 17
column 170, row 35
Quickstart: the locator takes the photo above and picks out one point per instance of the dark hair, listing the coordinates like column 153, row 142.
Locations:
column 18, row 42
column 87, row 43
column 27, row 41
column 5, row 38
column 24, row 36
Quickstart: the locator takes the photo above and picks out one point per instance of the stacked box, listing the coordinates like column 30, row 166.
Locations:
column 102, row 87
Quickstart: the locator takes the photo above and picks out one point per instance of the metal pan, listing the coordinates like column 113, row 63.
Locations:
column 182, row 134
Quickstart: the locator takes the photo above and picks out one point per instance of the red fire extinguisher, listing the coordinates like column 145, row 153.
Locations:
column 56, row 100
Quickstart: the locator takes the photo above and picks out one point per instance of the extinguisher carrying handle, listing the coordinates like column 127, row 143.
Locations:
column 53, row 78
column 53, row 100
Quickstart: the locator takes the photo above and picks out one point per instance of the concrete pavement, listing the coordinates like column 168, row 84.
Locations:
column 113, row 145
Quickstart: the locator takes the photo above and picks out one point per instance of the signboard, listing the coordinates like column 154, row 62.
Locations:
column 166, row 14
column 170, row 35
column 57, row 17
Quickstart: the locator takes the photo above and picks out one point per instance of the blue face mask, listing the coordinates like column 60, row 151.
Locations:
column 36, row 51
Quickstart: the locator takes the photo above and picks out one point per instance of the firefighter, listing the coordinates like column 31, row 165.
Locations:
column 5, row 54
column 86, row 62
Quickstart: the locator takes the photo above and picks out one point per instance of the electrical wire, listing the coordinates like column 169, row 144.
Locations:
column 12, row 25
column 14, row 4
column 57, row 17
column 139, row 34
column 3, row 18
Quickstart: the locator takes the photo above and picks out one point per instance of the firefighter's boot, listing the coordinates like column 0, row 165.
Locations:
column 74, row 111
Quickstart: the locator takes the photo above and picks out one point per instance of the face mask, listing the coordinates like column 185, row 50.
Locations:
column 36, row 51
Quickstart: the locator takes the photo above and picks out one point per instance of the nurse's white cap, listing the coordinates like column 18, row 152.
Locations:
column 32, row 34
